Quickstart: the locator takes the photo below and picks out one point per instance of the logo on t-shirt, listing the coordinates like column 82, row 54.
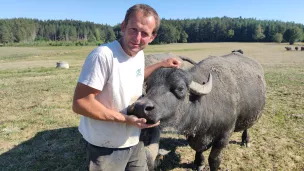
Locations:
column 138, row 72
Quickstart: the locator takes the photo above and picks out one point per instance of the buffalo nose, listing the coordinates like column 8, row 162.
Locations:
column 148, row 107
column 143, row 107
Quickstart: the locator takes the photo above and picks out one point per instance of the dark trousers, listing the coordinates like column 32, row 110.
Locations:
column 117, row 159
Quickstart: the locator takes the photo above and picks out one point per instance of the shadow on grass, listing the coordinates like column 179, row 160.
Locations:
column 59, row 149
column 64, row 149
column 172, row 159
column 235, row 142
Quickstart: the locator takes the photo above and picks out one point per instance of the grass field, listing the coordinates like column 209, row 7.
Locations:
column 38, row 130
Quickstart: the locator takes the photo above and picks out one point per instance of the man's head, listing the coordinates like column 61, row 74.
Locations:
column 147, row 11
column 139, row 28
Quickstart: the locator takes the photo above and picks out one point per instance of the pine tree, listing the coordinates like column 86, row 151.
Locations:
column 258, row 33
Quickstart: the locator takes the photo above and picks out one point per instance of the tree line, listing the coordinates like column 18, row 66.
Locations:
column 216, row 29
column 22, row 30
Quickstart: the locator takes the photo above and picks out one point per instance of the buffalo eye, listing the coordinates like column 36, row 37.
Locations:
column 179, row 91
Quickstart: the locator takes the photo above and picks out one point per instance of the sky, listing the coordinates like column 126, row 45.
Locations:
column 112, row 12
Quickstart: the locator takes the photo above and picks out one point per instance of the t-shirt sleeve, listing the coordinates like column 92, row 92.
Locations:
column 95, row 71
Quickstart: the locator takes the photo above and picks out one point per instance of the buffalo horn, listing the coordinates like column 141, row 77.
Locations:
column 200, row 89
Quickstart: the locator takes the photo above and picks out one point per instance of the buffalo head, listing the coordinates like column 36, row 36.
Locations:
column 169, row 92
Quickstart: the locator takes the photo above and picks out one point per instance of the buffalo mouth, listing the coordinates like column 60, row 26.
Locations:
column 149, row 121
column 141, row 111
column 131, row 111
column 153, row 118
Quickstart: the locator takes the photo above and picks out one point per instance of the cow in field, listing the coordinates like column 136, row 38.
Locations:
column 206, row 103
column 288, row 48
column 302, row 48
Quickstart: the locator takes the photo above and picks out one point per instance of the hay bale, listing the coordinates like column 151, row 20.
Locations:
column 62, row 64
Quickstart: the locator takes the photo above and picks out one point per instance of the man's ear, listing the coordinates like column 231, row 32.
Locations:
column 152, row 37
column 123, row 26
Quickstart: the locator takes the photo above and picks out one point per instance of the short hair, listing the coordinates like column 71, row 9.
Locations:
column 147, row 11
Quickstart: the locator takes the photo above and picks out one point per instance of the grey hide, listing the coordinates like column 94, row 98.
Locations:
column 154, row 58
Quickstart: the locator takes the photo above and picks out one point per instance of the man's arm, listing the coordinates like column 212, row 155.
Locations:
column 84, row 103
column 171, row 62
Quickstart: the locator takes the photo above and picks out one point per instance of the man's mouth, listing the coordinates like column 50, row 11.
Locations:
column 134, row 44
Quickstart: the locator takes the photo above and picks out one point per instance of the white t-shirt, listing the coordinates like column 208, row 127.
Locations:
column 120, row 78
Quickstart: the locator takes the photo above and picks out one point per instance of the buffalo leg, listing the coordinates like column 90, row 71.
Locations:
column 151, row 137
column 214, row 158
column 199, row 160
column 245, row 138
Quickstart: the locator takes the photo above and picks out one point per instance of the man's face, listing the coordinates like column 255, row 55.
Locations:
column 137, row 33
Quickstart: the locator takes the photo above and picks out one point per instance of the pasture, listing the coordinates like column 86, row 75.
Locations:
column 38, row 129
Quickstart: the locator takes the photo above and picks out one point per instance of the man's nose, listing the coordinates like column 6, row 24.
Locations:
column 137, row 36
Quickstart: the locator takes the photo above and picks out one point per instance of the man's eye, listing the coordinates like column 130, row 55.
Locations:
column 145, row 34
column 133, row 30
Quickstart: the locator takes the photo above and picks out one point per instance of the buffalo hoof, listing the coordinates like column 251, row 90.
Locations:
column 160, row 157
column 200, row 168
column 245, row 144
column 158, row 161
column 163, row 152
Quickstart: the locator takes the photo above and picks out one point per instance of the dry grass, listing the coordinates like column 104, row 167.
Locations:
column 38, row 130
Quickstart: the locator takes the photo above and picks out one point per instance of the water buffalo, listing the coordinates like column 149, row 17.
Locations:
column 150, row 137
column 296, row 48
column 288, row 48
column 206, row 103
column 239, row 50
column 302, row 48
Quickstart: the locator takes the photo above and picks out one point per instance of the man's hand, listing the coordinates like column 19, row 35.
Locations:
column 139, row 122
column 172, row 63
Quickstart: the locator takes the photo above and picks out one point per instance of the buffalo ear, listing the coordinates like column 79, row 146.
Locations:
column 199, row 89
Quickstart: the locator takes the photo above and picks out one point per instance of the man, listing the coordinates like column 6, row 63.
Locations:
column 111, row 79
